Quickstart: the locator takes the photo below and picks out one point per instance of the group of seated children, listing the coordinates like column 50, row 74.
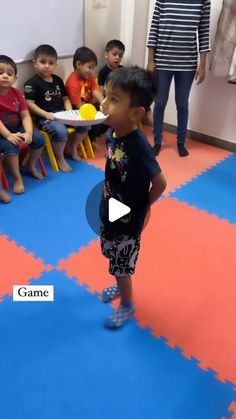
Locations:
column 45, row 93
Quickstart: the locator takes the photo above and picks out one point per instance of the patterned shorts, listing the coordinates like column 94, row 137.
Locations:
column 122, row 252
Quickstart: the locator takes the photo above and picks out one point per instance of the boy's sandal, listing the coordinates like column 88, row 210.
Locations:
column 120, row 317
column 108, row 294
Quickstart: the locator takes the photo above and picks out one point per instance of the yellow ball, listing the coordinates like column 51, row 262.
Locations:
column 87, row 111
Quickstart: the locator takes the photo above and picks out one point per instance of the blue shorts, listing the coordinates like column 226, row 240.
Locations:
column 7, row 147
column 57, row 130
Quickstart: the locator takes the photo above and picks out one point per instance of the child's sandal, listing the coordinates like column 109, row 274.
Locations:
column 120, row 317
column 110, row 293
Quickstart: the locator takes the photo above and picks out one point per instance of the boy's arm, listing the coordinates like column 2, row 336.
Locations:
column 98, row 95
column 102, row 90
column 67, row 103
column 157, row 188
column 10, row 136
column 27, row 125
column 36, row 110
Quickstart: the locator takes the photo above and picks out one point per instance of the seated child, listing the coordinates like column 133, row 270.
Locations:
column 114, row 52
column 131, row 168
column 81, row 85
column 45, row 94
column 16, row 126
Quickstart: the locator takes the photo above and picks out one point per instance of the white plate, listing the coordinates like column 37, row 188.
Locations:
column 73, row 118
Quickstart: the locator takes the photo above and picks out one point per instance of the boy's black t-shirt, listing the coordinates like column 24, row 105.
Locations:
column 130, row 166
column 103, row 73
column 47, row 95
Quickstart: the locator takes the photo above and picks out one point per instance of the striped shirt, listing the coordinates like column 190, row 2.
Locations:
column 177, row 27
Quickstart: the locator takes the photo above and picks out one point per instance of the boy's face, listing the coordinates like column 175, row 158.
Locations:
column 116, row 104
column 45, row 65
column 7, row 76
column 84, row 71
column 114, row 57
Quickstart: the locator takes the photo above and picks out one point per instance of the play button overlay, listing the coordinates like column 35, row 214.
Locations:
column 116, row 210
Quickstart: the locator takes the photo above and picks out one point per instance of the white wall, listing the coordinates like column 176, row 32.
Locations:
column 122, row 19
column 213, row 103
column 140, row 30
column 101, row 25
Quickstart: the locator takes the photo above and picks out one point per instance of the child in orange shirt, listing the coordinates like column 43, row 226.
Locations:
column 82, row 86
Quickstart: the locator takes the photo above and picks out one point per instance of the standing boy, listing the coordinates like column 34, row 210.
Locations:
column 130, row 170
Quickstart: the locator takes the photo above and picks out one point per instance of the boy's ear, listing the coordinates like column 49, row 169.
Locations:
column 106, row 55
column 137, row 114
column 78, row 63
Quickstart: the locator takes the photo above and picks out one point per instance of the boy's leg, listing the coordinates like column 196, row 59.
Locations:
column 122, row 253
column 13, row 164
column 59, row 148
column 4, row 197
column 126, row 308
column 37, row 146
column 11, row 152
column 75, row 140
column 58, row 132
column 125, row 286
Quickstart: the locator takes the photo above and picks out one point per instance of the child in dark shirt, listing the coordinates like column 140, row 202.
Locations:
column 45, row 94
column 131, row 169
column 114, row 52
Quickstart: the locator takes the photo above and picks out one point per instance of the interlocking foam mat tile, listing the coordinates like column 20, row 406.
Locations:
column 213, row 191
column 49, row 219
column 17, row 266
column 184, row 286
column 58, row 361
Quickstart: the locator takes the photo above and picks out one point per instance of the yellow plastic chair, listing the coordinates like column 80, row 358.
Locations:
column 85, row 154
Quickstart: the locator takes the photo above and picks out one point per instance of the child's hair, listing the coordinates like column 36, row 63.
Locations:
column 114, row 43
column 45, row 49
column 138, row 83
column 84, row 55
column 4, row 59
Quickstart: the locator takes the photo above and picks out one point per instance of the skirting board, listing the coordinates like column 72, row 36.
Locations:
column 217, row 142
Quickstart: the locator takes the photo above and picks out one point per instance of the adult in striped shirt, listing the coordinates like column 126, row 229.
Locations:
column 178, row 43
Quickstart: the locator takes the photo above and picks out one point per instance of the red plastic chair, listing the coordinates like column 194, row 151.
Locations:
column 22, row 158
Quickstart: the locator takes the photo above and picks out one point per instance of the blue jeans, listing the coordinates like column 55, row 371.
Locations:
column 183, row 83
column 6, row 147
column 57, row 130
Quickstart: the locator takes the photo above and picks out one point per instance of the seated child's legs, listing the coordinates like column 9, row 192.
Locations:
column 36, row 146
column 11, row 153
column 59, row 135
column 74, row 140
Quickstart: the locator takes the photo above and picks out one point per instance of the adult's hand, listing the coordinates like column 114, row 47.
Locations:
column 200, row 74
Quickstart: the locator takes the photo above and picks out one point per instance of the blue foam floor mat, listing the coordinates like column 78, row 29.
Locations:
column 49, row 219
column 58, row 361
